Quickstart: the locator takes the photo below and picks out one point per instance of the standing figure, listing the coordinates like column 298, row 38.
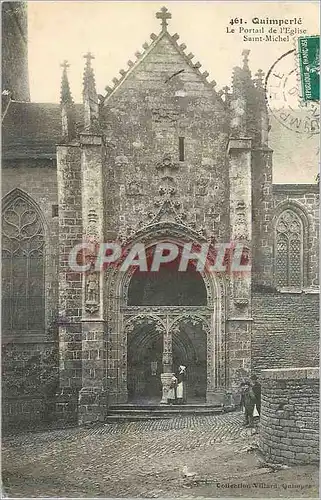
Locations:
column 92, row 288
column 242, row 405
column 181, row 386
column 249, row 403
column 171, row 395
column 256, row 388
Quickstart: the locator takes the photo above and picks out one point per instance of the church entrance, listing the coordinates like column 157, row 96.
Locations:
column 189, row 349
column 144, row 364
column 160, row 320
column 145, row 357
column 166, row 313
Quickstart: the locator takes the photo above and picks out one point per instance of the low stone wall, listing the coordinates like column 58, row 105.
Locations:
column 29, row 412
column 285, row 330
column 22, row 412
column 289, row 424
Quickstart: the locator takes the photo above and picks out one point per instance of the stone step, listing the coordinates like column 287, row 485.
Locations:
column 135, row 418
column 164, row 408
column 132, row 412
column 170, row 411
column 139, row 415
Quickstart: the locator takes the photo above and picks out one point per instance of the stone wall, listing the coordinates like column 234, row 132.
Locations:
column 29, row 383
column 21, row 413
column 289, row 426
column 285, row 329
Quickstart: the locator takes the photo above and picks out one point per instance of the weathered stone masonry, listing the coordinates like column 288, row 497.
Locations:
column 285, row 327
column 162, row 156
column 289, row 425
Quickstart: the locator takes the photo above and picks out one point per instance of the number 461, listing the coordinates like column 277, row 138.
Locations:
column 236, row 20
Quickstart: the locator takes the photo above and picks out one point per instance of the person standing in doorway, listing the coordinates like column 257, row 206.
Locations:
column 249, row 403
column 242, row 405
column 171, row 395
column 256, row 388
column 181, row 385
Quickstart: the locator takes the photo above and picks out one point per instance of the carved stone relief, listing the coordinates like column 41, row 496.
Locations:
column 240, row 293
column 240, row 229
column 92, row 292
column 134, row 188
column 92, row 220
column 201, row 186
column 167, row 349
column 121, row 161
column 167, row 166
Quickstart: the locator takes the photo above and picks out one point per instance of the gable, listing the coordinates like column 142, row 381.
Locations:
column 165, row 66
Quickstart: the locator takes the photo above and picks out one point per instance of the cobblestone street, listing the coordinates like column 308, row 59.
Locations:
column 181, row 457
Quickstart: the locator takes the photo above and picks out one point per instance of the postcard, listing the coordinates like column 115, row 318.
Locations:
column 160, row 237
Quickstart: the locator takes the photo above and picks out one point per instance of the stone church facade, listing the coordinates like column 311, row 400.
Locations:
column 162, row 157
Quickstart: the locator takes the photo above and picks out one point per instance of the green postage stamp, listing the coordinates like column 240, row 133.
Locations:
column 309, row 57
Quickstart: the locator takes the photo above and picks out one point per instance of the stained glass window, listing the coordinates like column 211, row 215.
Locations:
column 289, row 250
column 23, row 303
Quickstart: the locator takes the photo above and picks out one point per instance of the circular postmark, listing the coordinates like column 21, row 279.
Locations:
column 284, row 99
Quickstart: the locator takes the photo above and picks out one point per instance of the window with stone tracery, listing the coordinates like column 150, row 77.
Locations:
column 22, row 266
column 289, row 250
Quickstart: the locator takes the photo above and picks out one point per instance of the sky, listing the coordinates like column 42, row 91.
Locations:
column 114, row 31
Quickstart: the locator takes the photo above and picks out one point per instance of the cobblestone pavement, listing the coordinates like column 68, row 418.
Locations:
column 182, row 456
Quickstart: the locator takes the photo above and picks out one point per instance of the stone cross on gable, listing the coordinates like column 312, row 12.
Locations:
column 65, row 64
column 88, row 57
column 164, row 15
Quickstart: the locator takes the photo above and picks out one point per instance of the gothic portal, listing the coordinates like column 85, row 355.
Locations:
column 163, row 156
column 154, row 296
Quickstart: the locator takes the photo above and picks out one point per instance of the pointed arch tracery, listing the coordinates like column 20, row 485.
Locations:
column 117, row 309
column 23, row 269
column 291, row 236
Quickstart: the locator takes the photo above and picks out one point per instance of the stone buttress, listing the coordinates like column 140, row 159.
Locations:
column 70, row 282
column 93, row 396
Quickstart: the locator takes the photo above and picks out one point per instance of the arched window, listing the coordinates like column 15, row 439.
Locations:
column 289, row 249
column 23, row 302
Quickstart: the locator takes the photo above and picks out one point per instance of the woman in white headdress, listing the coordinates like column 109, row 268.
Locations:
column 171, row 395
column 181, row 384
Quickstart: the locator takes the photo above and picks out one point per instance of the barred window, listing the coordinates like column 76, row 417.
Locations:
column 289, row 250
column 22, row 266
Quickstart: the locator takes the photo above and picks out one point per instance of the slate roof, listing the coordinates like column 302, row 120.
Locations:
column 32, row 130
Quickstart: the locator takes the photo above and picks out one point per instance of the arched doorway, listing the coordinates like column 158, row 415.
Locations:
column 167, row 294
column 124, row 305
column 189, row 349
column 144, row 362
